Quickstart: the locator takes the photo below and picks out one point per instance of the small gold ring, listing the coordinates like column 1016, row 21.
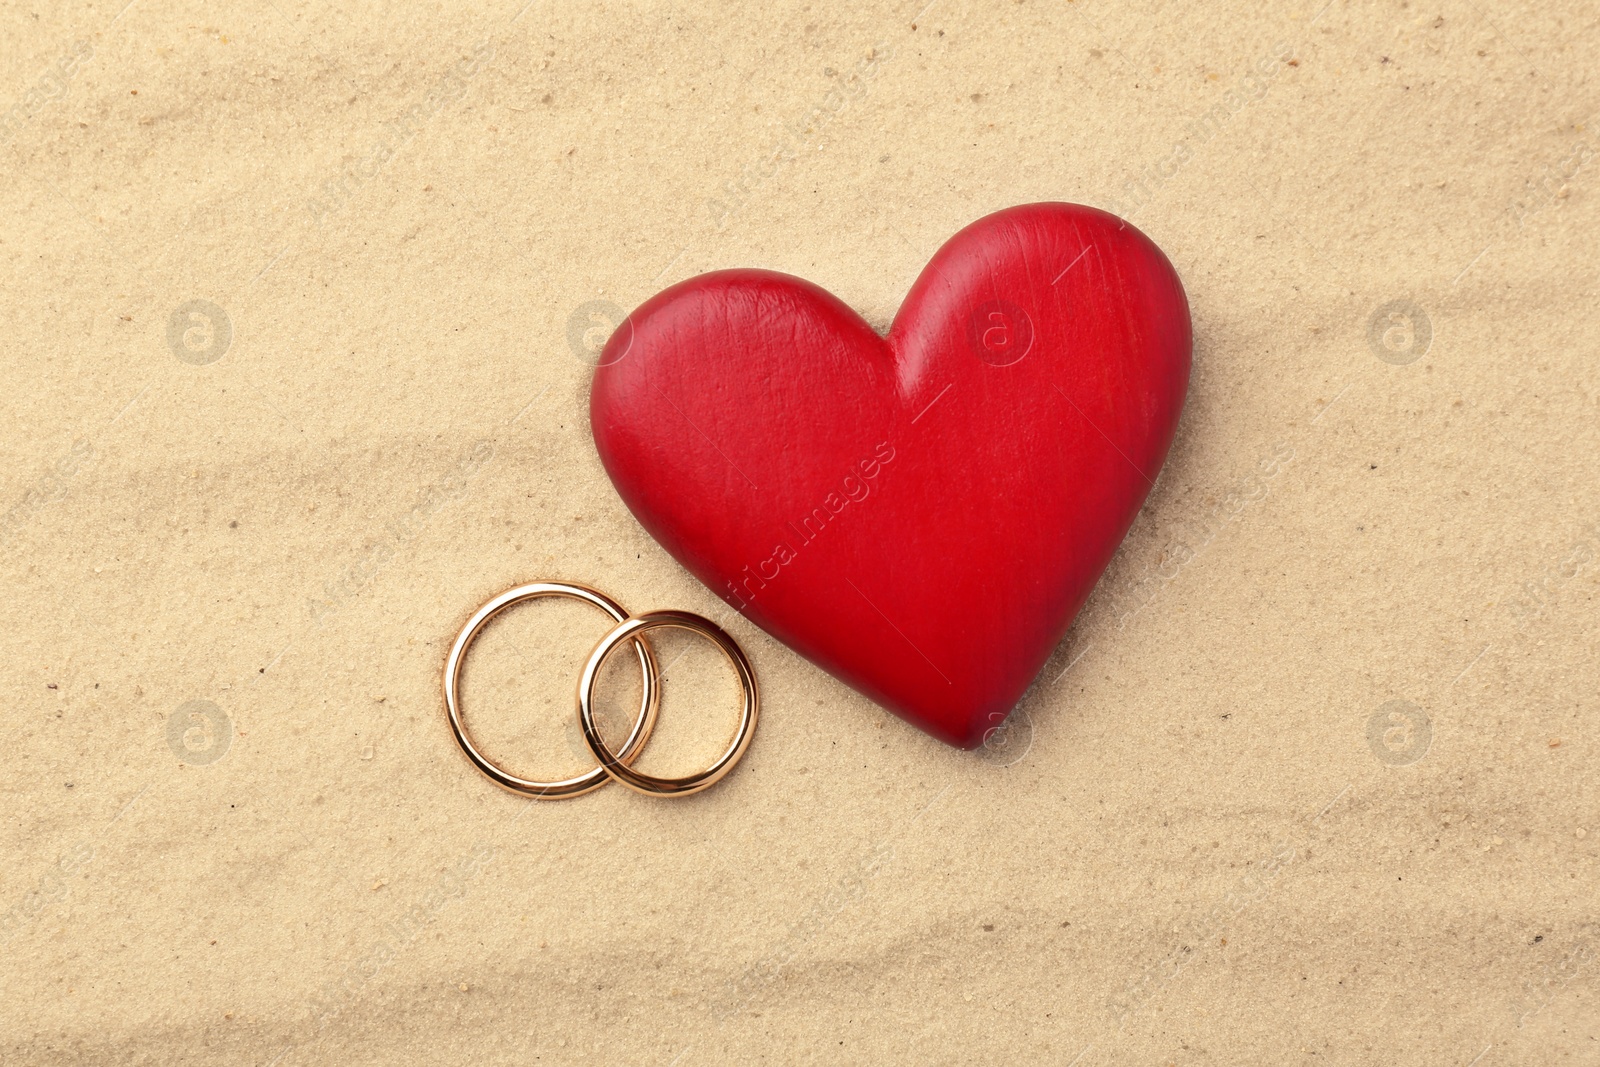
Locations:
column 590, row 780
column 614, row 764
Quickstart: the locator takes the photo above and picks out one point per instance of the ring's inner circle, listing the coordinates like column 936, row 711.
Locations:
column 519, row 682
column 701, row 702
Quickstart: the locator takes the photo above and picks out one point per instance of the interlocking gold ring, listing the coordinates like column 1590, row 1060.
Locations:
column 616, row 764
column 589, row 780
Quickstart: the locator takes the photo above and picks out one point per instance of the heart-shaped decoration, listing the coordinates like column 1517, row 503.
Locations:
column 922, row 514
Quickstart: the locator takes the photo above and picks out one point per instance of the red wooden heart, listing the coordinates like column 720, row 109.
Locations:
column 921, row 515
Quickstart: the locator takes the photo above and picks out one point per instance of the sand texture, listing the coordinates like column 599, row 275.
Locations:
column 299, row 312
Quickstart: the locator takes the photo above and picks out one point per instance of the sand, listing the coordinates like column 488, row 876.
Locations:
column 299, row 311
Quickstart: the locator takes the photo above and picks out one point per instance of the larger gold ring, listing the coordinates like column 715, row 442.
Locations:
column 590, row 780
column 616, row 764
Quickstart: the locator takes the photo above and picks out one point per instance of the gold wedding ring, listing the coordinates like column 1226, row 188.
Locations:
column 569, row 787
column 613, row 765
column 616, row 764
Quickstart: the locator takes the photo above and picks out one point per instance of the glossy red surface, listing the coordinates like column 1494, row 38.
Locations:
column 920, row 515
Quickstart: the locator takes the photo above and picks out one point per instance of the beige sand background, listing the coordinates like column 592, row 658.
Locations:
column 298, row 303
